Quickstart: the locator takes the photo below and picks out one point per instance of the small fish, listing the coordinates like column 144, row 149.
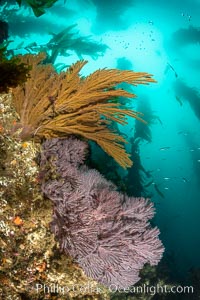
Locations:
column 20, row 45
column 164, row 148
column 149, row 183
column 166, row 178
column 31, row 45
column 184, row 179
column 182, row 132
column 168, row 67
column 179, row 100
column 158, row 191
column 148, row 173
column 160, row 120
column 166, row 188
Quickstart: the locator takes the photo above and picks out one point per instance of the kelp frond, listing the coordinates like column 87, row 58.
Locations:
column 51, row 104
column 38, row 7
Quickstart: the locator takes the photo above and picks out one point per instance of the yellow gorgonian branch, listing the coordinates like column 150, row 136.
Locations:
column 56, row 105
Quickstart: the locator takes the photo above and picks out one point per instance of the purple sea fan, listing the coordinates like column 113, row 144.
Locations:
column 105, row 231
column 64, row 151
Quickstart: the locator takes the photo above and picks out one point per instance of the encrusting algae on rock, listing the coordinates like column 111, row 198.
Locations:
column 29, row 256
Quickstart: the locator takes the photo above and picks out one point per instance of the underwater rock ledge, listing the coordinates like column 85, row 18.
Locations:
column 29, row 254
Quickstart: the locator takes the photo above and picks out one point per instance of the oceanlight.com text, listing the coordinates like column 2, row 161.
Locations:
column 153, row 289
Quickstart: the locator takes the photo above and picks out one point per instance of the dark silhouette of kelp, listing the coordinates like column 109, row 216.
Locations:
column 109, row 168
column 137, row 178
column 38, row 7
column 183, row 91
column 22, row 25
column 185, row 36
column 124, row 64
column 109, row 14
column 63, row 43
column 143, row 130
column 195, row 155
column 3, row 31
column 67, row 40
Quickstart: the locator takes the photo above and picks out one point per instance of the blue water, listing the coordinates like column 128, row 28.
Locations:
column 162, row 38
